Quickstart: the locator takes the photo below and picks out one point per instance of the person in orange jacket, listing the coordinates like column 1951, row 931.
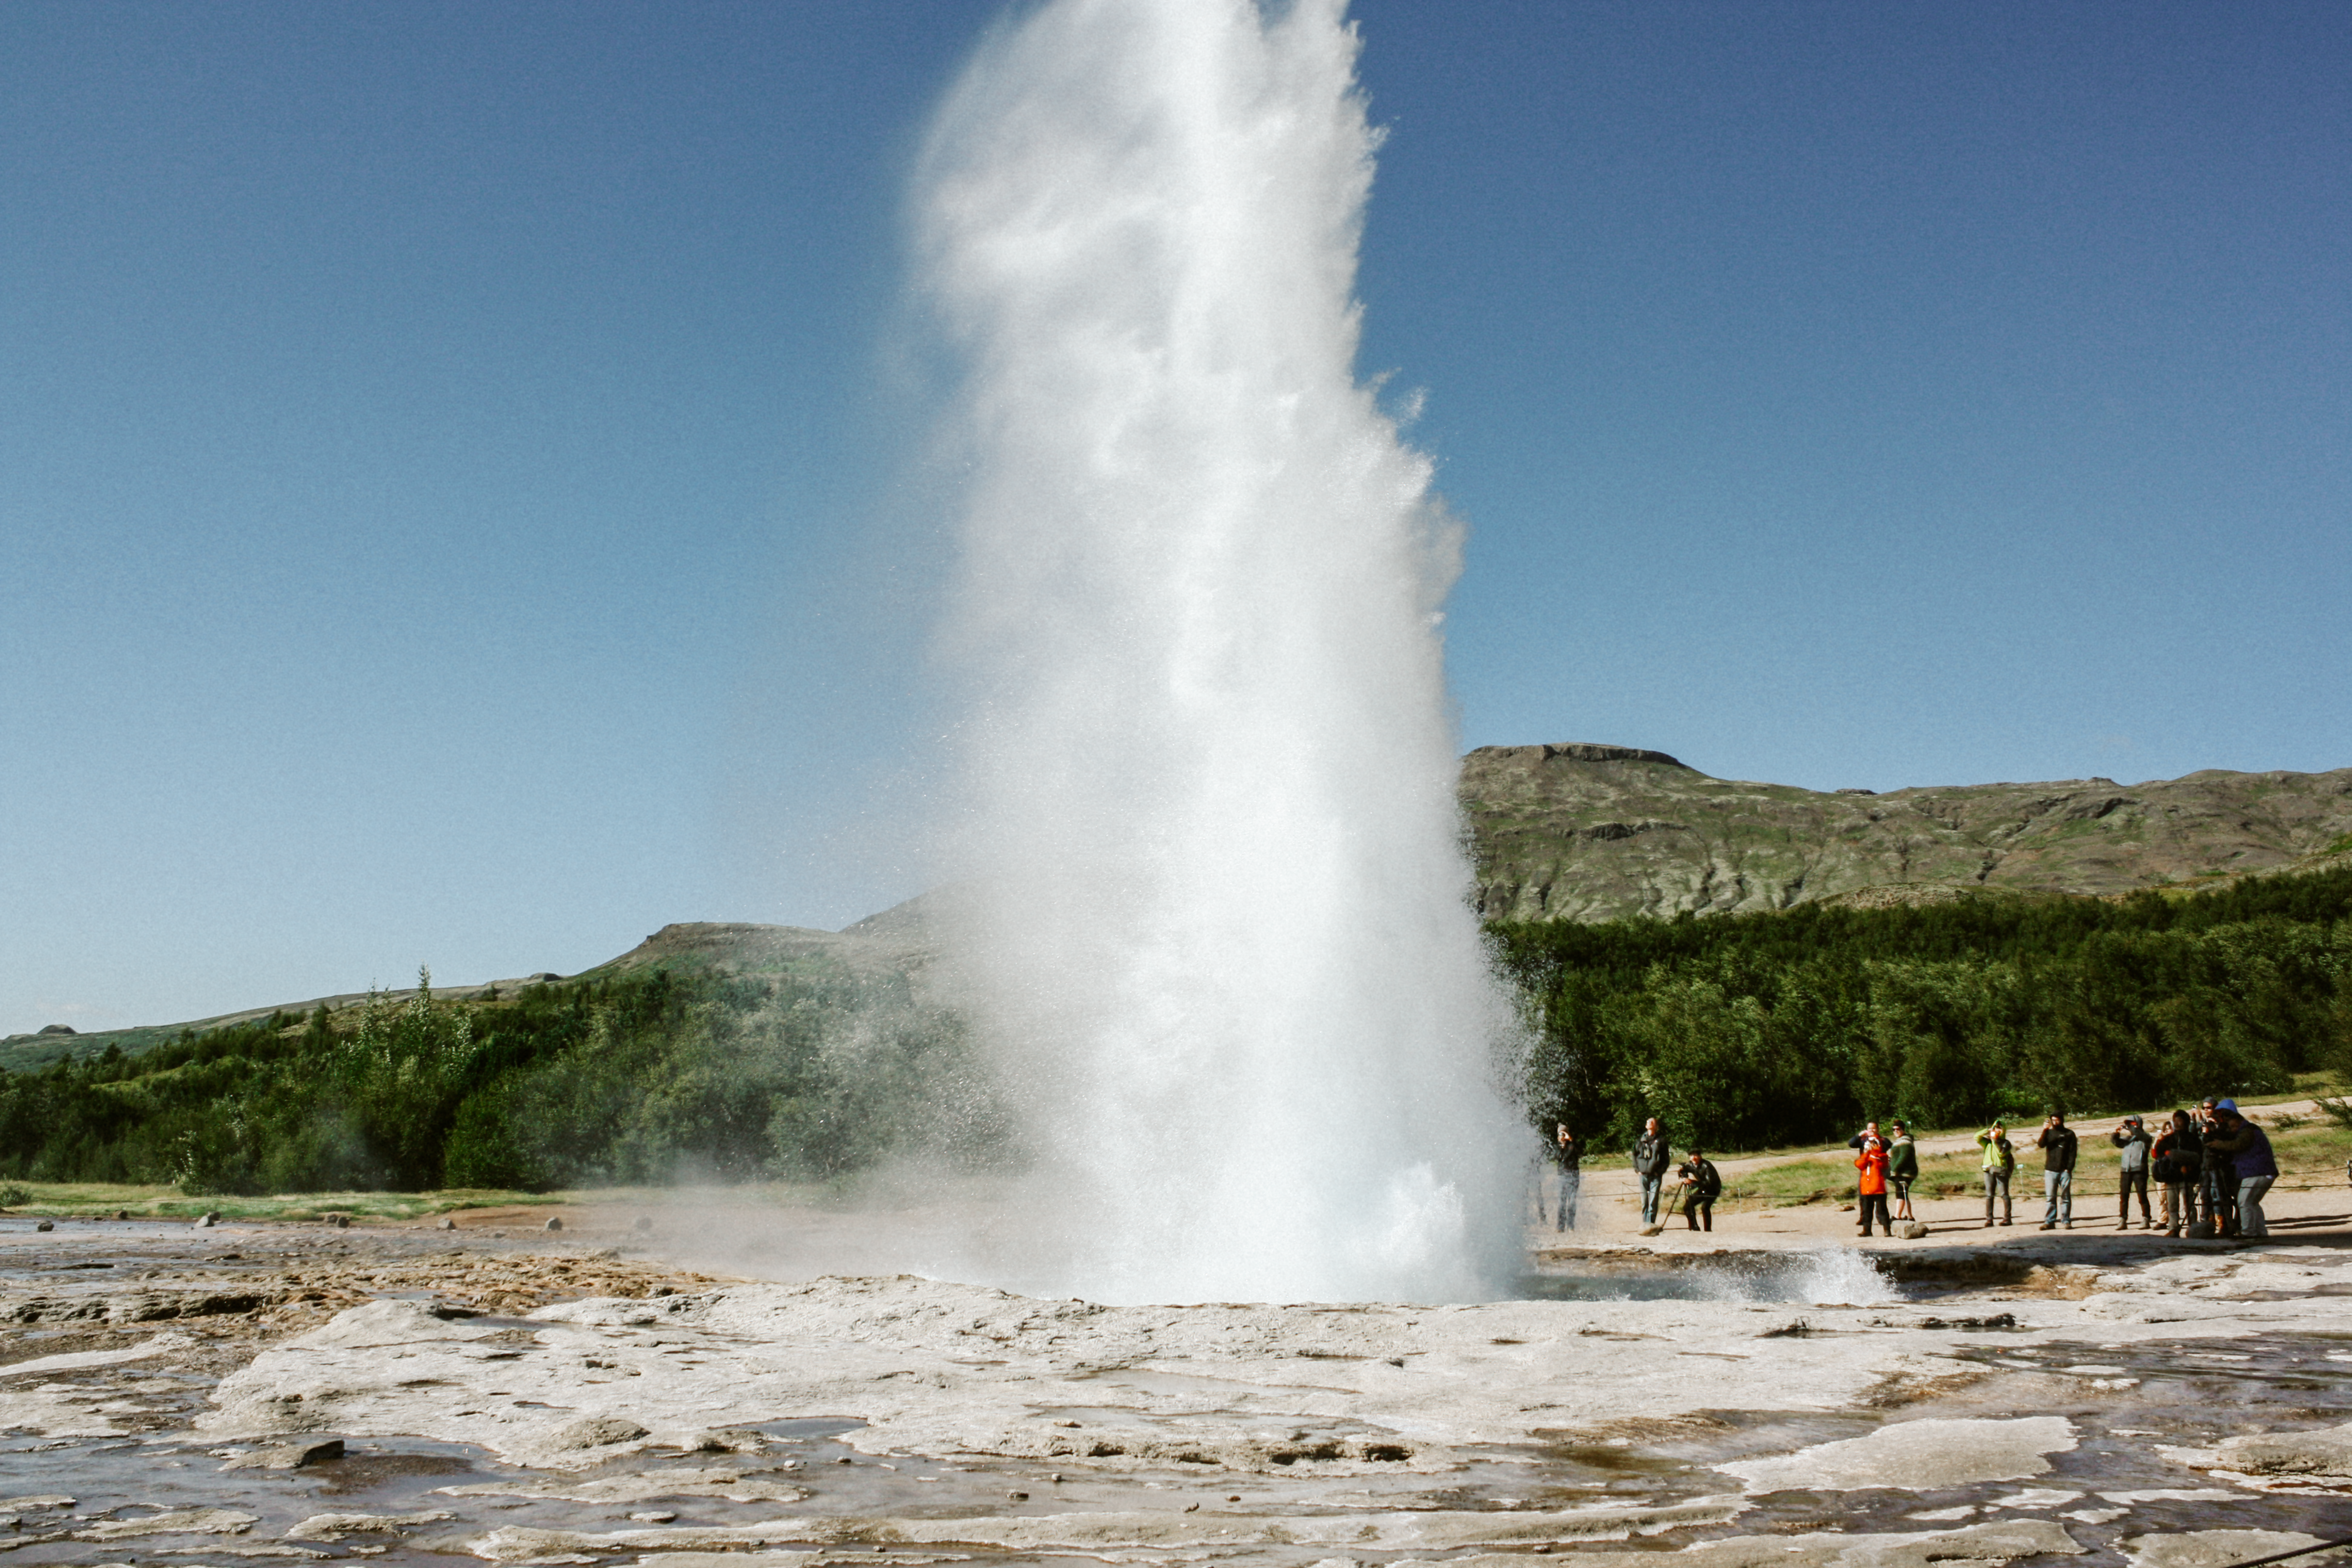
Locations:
column 1871, row 1163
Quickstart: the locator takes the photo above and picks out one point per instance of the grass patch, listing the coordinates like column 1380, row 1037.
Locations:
column 72, row 1200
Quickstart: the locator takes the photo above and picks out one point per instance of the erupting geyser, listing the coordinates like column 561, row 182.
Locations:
column 1212, row 922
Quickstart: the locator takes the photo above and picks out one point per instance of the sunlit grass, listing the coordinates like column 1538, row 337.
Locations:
column 2311, row 1152
column 69, row 1200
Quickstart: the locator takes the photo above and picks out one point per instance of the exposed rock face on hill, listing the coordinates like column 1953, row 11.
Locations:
column 1592, row 833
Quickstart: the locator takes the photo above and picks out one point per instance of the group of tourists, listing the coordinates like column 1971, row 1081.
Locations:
column 1698, row 1184
column 2213, row 1167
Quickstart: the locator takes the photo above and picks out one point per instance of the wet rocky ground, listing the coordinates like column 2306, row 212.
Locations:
column 185, row 1395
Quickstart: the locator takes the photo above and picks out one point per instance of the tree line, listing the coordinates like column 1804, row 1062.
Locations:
column 1756, row 1031
column 648, row 1076
column 1745, row 1031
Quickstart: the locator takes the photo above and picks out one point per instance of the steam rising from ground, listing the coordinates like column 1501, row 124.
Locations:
column 1212, row 924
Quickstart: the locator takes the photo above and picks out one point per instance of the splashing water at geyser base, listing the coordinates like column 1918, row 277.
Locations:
column 1212, row 924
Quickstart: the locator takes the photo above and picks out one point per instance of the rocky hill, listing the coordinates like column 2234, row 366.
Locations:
column 1596, row 833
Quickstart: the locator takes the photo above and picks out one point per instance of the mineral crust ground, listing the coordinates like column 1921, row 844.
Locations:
column 608, row 1394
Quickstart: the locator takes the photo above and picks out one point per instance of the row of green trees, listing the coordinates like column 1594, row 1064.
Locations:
column 641, row 1078
column 1741, row 1032
column 1754, row 1031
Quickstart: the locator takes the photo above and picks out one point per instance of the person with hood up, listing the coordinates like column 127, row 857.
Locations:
column 2248, row 1148
column 2132, row 1138
column 2177, row 1156
column 1871, row 1189
column 1651, row 1158
column 1999, row 1165
column 2056, row 1141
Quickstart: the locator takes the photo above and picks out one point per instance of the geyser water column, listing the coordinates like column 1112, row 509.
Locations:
column 1211, row 913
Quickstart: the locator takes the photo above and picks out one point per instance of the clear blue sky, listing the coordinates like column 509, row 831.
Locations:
column 456, row 498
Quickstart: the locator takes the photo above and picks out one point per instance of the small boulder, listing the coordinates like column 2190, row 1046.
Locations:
column 289, row 1456
column 1910, row 1230
column 555, row 1225
column 208, row 1222
column 596, row 1432
column 447, row 1223
column 44, row 1224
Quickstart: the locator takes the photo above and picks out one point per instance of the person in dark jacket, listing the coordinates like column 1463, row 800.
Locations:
column 1702, row 1185
column 2056, row 1141
column 1567, row 1155
column 1902, row 1167
column 2218, row 1180
column 2252, row 1164
column 2132, row 1138
column 2177, row 1158
column 1650, row 1161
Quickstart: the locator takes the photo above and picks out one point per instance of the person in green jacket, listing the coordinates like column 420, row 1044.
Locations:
column 1999, row 1165
column 1902, row 1168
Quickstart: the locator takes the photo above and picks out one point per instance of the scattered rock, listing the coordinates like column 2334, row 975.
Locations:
column 44, row 1224
column 1909, row 1229
column 289, row 1456
column 209, row 1220
column 2327, row 1452
column 172, row 1521
column 446, row 1223
column 596, row 1432
column 553, row 1225
column 123, row 1213
column 1917, row 1455
column 2212, row 1548
column 335, row 1526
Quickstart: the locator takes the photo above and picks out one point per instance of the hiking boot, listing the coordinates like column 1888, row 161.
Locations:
column 2050, row 1224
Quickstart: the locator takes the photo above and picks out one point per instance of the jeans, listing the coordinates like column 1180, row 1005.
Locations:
column 2134, row 1180
column 2179, row 1205
column 1570, row 1181
column 1650, row 1185
column 2250, row 1205
column 2222, row 1201
column 2058, row 1197
column 1996, row 1181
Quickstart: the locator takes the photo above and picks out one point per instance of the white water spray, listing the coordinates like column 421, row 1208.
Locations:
column 1212, row 922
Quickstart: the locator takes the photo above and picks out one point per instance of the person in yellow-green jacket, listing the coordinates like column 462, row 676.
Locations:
column 1999, row 1165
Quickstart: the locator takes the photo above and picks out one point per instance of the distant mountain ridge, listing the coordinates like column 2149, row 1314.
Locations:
column 1589, row 832
column 1583, row 832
